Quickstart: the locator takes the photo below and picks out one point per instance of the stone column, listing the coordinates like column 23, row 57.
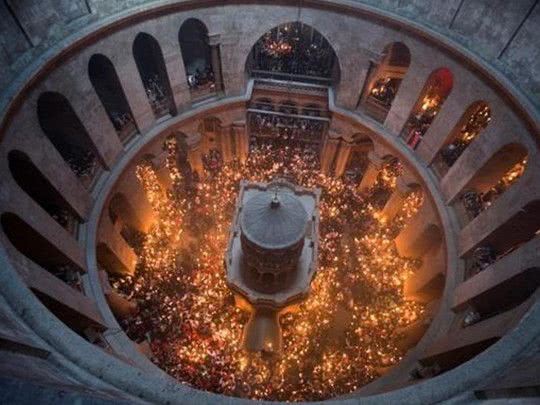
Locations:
column 427, row 283
column 215, row 56
column 130, row 186
column 239, row 131
column 195, row 159
column 408, row 95
column 342, row 158
column 120, row 306
column 375, row 66
column 113, row 252
column 174, row 65
column 396, row 200
column 225, row 142
column 133, row 87
column 370, row 176
column 420, row 234
column 328, row 153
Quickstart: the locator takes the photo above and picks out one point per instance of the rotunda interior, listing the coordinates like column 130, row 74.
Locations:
column 241, row 202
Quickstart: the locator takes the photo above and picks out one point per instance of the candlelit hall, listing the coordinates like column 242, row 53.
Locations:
column 260, row 201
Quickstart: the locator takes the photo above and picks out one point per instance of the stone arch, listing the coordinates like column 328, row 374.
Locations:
column 153, row 72
column 107, row 85
column 197, row 57
column 498, row 174
column 305, row 55
column 471, row 124
column 384, row 79
column 68, row 135
column 432, row 97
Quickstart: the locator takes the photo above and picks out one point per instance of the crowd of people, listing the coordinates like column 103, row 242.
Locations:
column 123, row 122
column 344, row 333
column 202, row 79
column 287, row 49
column 286, row 130
column 157, row 96
column 212, row 161
column 419, row 122
column 482, row 258
column 84, row 164
column 475, row 202
column 475, row 123
column 384, row 90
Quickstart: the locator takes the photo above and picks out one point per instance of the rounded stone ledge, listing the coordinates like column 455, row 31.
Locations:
column 436, row 389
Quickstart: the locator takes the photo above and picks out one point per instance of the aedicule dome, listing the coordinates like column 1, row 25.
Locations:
column 273, row 220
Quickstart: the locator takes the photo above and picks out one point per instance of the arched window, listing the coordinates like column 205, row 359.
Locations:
column 499, row 173
column 68, row 135
column 294, row 51
column 153, row 72
column 36, row 185
column 109, row 90
column 472, row 123
column 197, row 55
column 383, row 80
column 433, row 95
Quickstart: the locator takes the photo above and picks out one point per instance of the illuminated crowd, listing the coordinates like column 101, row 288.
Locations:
column 343, row 336
column 296, row 49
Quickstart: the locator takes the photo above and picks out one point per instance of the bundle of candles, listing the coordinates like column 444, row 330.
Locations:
column 342, row 337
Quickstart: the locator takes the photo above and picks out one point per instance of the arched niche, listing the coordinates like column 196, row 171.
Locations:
column 197, row 57
column 107, row 85
column 68, row 135
column 432, row 97
column 471, row 124
column 493, row 179
column 153, row 71
column 294, row 51
column 384, row 79
column 509, row 237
